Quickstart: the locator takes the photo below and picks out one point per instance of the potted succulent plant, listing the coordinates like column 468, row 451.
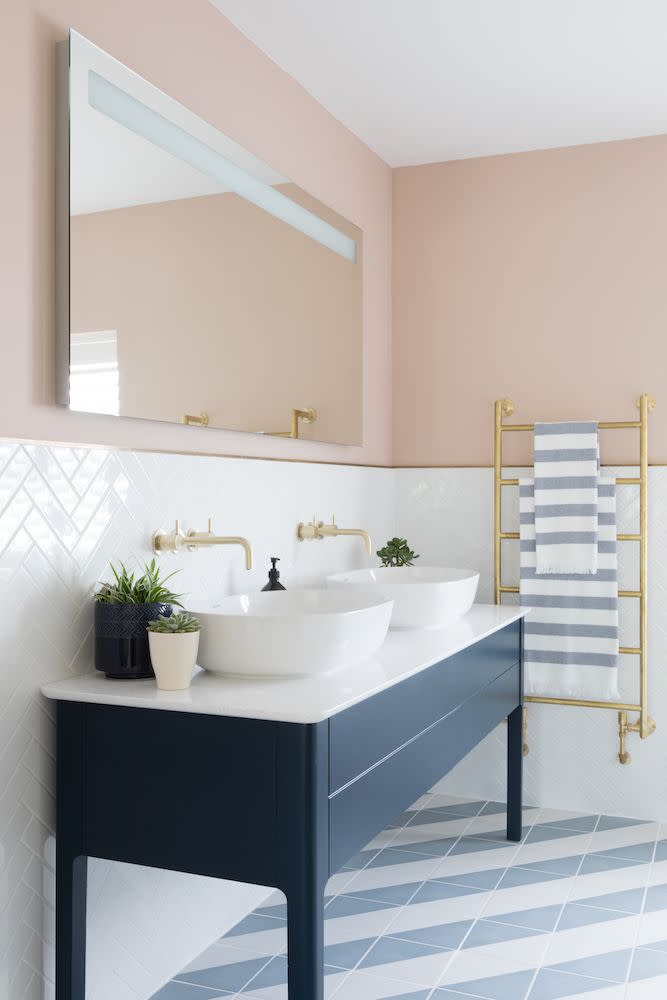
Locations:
column 397, row 552
column 123, row 609
column 174, row 641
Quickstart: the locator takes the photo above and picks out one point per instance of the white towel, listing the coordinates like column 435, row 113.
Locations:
column 571, row 636
column 567, row 463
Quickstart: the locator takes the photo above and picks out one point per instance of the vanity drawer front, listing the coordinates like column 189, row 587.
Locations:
column 368, row 805
column 362, row 735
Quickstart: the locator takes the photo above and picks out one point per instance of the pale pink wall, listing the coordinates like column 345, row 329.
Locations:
column 267, row 319
column 192, row 52
column 539, row 276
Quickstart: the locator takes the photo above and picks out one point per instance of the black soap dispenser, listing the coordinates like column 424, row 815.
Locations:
column 274, row 576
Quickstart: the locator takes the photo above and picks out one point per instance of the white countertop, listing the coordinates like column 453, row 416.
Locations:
column 298, row 699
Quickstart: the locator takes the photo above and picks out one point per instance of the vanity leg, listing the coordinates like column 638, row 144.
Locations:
column 305, row 943
column 514, row 773
column 71, row 859
column 71, row 878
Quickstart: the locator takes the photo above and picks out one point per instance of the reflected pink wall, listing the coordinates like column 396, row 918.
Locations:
column 539, row 276
column 194, row 53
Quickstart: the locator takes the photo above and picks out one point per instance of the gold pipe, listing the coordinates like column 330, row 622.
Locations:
column 629, row 593
column 620, row 481
column 503, row 408
column 630, row 650
column 608, row 425
column 623, row 755
column 583, row 703
column 644, row 403
column 620, row 538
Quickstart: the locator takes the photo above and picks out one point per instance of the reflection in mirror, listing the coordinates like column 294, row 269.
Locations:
column 205, row 287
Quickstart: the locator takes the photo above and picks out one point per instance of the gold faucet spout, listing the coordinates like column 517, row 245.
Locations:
column 202, row 539
column 332, row 531
column 318, row 530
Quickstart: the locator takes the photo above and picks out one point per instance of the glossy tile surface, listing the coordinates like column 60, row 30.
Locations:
column 483, row 918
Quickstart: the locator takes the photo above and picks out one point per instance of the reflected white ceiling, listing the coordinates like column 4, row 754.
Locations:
column 112, row 167
column 421, row 81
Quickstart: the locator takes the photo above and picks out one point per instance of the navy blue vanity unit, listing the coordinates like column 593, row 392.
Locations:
column 275, row 783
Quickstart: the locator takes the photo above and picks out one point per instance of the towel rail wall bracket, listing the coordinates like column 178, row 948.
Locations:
column 643, row 724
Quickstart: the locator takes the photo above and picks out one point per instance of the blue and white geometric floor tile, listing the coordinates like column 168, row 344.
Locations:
column 441, row 907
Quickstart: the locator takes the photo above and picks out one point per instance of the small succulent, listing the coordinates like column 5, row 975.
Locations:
column 126, row 588
column 175, row 624
column 397, row 552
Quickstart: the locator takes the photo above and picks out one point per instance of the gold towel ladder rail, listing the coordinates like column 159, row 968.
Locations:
column 644, row 724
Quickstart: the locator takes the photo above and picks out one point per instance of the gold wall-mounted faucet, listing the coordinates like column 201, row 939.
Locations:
column 176, row 541
column 318, row 530
column 307, row 415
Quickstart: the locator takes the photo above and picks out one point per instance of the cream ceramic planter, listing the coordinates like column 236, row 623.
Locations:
column 173, row 656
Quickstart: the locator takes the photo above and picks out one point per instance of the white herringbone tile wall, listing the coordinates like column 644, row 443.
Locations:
column 64, row 513
column 448, row 516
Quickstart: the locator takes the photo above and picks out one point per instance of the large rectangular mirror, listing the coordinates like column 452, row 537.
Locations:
column 201, row 285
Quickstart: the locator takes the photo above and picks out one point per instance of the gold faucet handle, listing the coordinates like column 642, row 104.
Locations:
column 169, row 541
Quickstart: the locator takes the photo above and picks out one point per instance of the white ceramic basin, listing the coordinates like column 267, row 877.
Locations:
column 423, row 596
column 292, row 632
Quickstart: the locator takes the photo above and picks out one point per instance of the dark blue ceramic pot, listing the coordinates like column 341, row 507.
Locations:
column 121, row 639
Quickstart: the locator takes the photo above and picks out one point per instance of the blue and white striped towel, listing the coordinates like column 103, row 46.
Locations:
column 567, row 465
column 571, row 636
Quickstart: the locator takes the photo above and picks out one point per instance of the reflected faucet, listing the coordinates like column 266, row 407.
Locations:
column 176, row 541
column 318, row 530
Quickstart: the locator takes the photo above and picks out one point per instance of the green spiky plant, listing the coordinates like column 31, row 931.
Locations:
column 176, row 625
column 127, row 588
column 397, row 552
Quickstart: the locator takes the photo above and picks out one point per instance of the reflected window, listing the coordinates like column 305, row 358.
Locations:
column 93, row 372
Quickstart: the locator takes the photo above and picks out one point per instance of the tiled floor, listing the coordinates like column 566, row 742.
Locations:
column 440, row 906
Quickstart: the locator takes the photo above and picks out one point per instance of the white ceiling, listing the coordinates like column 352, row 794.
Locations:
column 422, row 81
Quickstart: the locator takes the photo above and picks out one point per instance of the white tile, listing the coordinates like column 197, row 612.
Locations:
column 424, row 971
column 560, row 847
column 228, row 951
column 443, row 911
column 617, row 880
column 627, row 836
column 415, row 833
column 606, row 993
column 454, row 864
column 652, row 928
column 593, row 939
column 364, row 986
column 361, row 925
column 647, row 989
column 494, row 960
column 415, row 871
column 528, row 897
